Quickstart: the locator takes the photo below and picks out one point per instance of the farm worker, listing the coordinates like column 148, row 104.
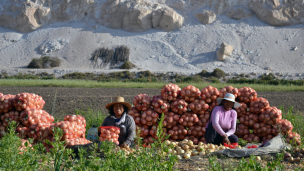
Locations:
column 222, row 123
column 119, row 117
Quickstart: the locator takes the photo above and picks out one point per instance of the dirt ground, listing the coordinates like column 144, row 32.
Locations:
column 62, row 100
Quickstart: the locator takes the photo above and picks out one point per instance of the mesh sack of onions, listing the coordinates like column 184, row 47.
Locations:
column 80, row 120
column 70, row 129
column 262, row 130
column 293, row 138
column 241, row 130
column 259, row 105
column 188, row 119
column 249, row 119
column 177, row 132
column 170, row 92
column 136, row 115
column 194, row 139
column 170, row 119
column 204, row 119
column 144, row 130
column 142, row 102
column 246, row 95
column 148, row 140
column 241, row 111
column 24, row 147
column 198, row 106
column 6, row 103
column 22, row 131
column 28, row 100
column 109, row 133
column 34, row 116
column 10, row 116
column 77, row 141
column 283, row 126
column 190, row 93
column 160, row 105
column 212, row 105
column 209, row 94
column 39, row 131
column 228, row 89
column 179, row 106
column 271, row 115
column 149, row 117
column 196, row 131
column 251, row 138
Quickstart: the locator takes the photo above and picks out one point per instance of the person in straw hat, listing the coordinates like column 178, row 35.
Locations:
column 223, row 121
column 119, row 117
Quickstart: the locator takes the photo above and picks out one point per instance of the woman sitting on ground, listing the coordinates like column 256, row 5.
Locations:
column 119, row 117
column 223, row 120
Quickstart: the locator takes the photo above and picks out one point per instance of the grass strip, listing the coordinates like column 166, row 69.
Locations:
column 156, row 85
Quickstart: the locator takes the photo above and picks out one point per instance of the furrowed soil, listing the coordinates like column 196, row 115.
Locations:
column 62, row 100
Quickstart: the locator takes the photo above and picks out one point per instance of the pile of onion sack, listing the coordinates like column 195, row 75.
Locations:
column 187, row 111
column 33, row 122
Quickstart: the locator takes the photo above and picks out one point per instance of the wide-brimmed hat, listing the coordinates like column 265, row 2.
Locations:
column 119, row 100
column 229, row 97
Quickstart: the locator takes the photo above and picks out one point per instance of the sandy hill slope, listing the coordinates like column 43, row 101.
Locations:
column 162, row 36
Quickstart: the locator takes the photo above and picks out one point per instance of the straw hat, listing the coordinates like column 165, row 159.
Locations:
column 229, row 97
column 119, row 100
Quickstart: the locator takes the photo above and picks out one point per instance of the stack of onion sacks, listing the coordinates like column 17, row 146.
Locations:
column 28, row 100
column 40, row 131
column 271, row 115
column 190, row 93
column 170, row 92
column 142, row 102
column 10, row 116
column 246, row 95
column 6, row 103
column 259, row 105
column 160, row 105
column 228, row 89
column 109, row 133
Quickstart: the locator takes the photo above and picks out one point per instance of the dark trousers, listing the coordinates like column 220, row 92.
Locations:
column 219, row 139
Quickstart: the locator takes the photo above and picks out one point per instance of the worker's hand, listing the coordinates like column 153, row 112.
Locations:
column 226, row 139
column 124, row 145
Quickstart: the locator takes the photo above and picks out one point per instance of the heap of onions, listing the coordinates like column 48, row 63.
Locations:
column 294, row 138
column 135, row 115
column 190, row 93
column 109, row 133
column 10, row 116
column 149, row 117
column 271, row 115
column 28, row 100
column 246, row 95
column 170, row 92
column 142, row 102
column 241, row 111
column 229, row 89
column 22, row 131
column 209, row 94
column 179, row 106
column 160, row 105
column 77, row 141
column 170, row 119
column 259, row 105
column 177, row 132
column 249, row 119
column 34, row 116
column 198, row 106
column 6, row 103
column 188, row 119
column 39, row 131
column 203, row 119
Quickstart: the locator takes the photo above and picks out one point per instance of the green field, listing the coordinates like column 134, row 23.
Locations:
column 156, row 85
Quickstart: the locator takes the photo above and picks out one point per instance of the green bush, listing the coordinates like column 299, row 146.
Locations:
column 127, row 65
column 204, row 73
column 44, row 62
column 218, row 73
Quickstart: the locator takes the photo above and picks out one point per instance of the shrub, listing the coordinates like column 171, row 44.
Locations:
column 44, row 62
column 204, row 73
column 218, row 73
column 127, row 65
